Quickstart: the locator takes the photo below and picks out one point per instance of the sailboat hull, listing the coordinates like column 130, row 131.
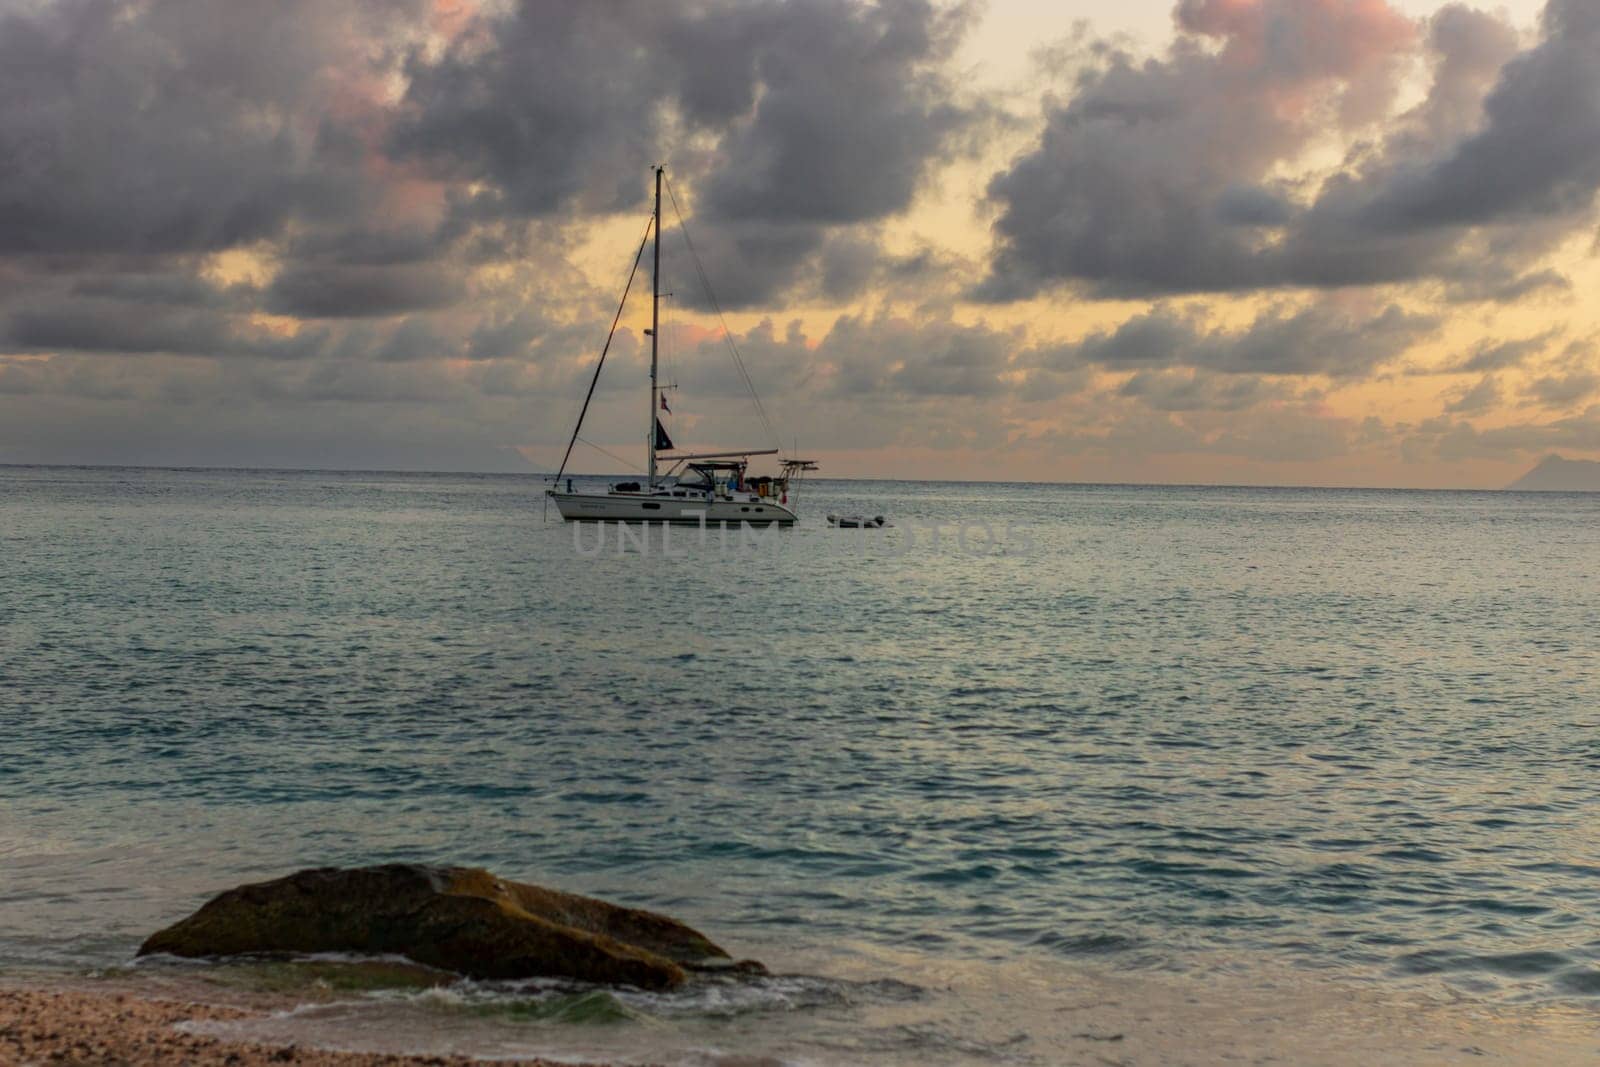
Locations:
column 681, row 511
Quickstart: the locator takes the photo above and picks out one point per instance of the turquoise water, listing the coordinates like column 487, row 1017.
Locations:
column 1154, row 729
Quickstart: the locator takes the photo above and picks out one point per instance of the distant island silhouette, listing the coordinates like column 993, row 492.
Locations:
column 1557, row 475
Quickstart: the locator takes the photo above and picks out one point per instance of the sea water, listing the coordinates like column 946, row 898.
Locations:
column 1149, row 731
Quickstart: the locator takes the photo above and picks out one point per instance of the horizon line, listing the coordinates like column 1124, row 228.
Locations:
column 547, row 475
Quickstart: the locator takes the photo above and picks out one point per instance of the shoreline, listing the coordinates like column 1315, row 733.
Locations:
column 46, row 1022
column 1068, row 1016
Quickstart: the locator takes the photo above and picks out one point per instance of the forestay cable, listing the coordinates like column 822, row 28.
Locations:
column 639, row 255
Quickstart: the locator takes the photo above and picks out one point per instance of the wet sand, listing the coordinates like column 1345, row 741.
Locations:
column 75, row 1026
column 223, row 1016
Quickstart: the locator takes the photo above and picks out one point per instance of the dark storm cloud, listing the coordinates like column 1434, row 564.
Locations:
column 364, row 245
column 1165, row 175
column 821, row 112
column 361, row 291
column 531, row 337
column 410, row 197
column 853, row 103
column 160, row 290
column 1491, row 356
column 940, row 359
column 746, row 262
column 173, row 125
column 505, row 336
column 1539, row 151
column 93, row 326
column 787, row 119
column 1314, row 341
column 79, row 413
column 414, row 339
column 141, row 137
column 1175, row 361
column 173, row 128
column 1504, row 284
column 1178, row 362
column 553, row 104
column 860, row 358
column 751, row 263
column 1155, row 175
column 89, row 324
column 1198, row 391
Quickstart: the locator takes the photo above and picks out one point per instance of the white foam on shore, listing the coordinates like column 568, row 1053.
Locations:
column 942, row 1013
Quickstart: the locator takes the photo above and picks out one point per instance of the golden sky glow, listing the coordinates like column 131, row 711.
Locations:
column 1136, row 241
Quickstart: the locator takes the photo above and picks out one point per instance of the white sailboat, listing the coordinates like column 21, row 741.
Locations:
column 683, row 488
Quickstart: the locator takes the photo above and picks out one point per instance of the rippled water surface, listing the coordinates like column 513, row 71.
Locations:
column 1154, row 728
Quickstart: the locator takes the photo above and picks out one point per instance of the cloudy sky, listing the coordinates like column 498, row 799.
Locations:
column 1342, row 242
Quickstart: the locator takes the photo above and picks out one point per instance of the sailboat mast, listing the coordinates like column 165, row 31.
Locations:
column 655, row 330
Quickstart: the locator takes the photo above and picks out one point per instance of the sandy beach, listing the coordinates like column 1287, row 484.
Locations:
column 75, row 1026
column 211, row 1017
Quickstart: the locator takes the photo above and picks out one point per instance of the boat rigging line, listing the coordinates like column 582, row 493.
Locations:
column 727, row 334
column 627, row 464
column 638, row 256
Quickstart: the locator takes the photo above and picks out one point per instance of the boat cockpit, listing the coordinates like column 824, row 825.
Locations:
column 719, row 480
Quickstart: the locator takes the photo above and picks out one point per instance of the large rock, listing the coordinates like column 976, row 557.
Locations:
column 462, row 919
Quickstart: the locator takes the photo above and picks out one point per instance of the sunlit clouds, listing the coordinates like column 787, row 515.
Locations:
column 1307, row 241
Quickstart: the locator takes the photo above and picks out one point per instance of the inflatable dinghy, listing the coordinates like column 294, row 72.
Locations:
column 857, row 522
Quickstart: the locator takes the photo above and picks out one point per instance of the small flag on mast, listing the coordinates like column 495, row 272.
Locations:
column 664, row 404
